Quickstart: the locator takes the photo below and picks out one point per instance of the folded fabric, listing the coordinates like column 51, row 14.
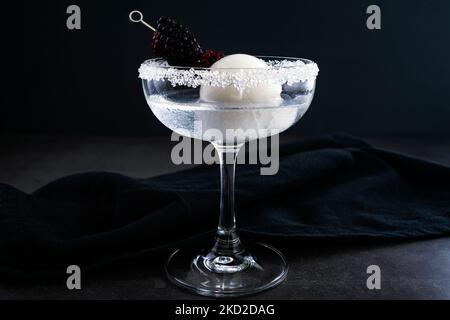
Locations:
column 329, row 187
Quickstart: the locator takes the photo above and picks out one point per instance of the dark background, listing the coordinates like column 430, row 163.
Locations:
column 394, row 80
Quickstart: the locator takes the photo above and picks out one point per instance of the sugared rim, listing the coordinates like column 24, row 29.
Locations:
column 289, row 62
column 279, row 70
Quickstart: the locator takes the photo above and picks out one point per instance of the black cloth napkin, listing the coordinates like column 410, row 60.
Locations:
column 329, row 187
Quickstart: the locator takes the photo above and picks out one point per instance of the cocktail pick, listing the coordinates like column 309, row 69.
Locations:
column 137, row 16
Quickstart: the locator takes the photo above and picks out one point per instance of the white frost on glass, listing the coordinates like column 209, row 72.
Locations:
column 277, row 72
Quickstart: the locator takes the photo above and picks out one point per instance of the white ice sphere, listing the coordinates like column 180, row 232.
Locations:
column 253, row 111
column 231, row 94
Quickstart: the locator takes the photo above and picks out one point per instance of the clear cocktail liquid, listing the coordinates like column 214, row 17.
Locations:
column 222, row 123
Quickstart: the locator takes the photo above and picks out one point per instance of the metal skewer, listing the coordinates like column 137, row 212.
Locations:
column 139, row 18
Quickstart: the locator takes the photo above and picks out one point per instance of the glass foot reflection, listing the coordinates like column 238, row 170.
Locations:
column 210, row 274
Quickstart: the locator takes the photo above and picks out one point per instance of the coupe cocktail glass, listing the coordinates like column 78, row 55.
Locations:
column 228, row 268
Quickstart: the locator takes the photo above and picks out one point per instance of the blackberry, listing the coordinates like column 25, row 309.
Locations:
column 209, row 57
column 175, row 43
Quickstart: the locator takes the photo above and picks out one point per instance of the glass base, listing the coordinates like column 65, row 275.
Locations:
column 259, row 268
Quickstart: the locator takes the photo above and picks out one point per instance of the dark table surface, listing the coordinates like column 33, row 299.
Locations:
column 318, row 270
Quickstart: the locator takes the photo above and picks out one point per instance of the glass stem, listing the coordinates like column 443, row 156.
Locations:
column 227, row 240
